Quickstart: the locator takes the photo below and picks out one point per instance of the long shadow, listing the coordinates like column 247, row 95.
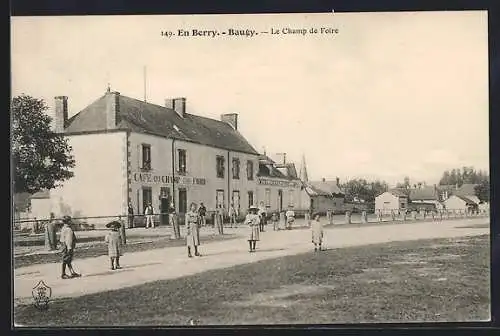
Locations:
column 108, row 272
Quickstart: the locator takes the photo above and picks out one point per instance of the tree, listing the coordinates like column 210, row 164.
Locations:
column 482, row 190
column 361, row 189
column 42, row 159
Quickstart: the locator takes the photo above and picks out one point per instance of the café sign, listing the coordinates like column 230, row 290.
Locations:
column 277, row 183
column 167, row 179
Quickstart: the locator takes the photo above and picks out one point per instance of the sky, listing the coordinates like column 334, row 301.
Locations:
column 390, row 95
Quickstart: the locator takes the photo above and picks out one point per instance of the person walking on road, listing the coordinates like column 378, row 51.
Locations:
column 193, row 231
column 317, row 232
column 114, row 241
column 202, row 212
column 68, row 243
column 252, row 219
column 148, row 212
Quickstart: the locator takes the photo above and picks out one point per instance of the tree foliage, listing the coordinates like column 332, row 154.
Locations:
column 361, row 189
column 42, row 159
column 482, row 191
column 467, row 175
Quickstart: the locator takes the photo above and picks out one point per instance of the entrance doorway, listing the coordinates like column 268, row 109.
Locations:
column 280, row 200
column 182, row 201
column 164, row 208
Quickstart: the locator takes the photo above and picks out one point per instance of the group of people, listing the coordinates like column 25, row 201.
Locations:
column 255, row 221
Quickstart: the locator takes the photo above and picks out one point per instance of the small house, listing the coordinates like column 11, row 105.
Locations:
column 392, row 200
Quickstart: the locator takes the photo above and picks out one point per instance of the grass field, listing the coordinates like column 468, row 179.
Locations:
column 134, row 244
column 431, row 280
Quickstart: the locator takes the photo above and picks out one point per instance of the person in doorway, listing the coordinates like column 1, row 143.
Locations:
column 193, row 231
column 68, row 243
column 130, row 216
column 252, row 219
column 148, row 212
column 114, row 241
column 290, row 218
column 233, row 213
column 202, row 212
column 263, row 216
column 50, row 233
column 317, row 232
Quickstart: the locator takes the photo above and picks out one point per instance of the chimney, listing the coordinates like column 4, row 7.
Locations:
column 169, row 103
column 338, row 181
column 323, row 179
column 112, row 108
column 180, row 106
column 231, row 119
column 60, row 114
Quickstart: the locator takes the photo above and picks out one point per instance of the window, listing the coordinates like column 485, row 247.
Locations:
column 181, row 155
column 403, row 205
column 236, row 168
column 250, row 198
column 290, row 198
column 147, row 197
column 268, row 197
column 220, row 166
column 146, row 157
column 250, row 170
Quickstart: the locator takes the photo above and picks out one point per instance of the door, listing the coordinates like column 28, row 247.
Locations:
column 182, row 201
column 280, row 200
column 164, row 208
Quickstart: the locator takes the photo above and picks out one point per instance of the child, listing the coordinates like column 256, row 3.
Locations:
column 274, row 219
column 290, row 218
column 253, row 221
column 193, row 231
column 317, row 232
column 114, row 240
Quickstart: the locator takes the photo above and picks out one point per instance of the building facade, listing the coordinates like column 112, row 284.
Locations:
column 130, row 151
column 389, row 201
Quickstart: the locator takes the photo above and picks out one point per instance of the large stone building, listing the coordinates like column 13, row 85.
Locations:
column 127, row 150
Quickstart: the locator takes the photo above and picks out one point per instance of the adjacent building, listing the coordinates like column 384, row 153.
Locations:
column 279, row 187
column 460, row 203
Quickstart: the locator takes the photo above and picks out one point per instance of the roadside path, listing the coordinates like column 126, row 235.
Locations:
column 169, row 263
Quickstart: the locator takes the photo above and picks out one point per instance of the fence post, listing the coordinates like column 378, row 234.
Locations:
column 348, row 217
column 403, row 215
column 363, row 216
column 379, row 215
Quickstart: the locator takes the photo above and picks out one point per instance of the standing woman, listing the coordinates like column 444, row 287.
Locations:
column 193, row 231
column 253, row 221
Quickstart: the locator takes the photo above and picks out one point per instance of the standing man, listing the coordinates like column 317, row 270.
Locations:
column 68, row 242
column 50, row 233
column 219, row 219
column 148, row 212
column 202, row 212
column 174, row 223
column 130, row 216
column 262, row 214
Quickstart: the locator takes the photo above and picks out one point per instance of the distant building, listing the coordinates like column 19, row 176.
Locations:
column 392, row 200
column 427, row 197
column 325, row 195
column 461, row 203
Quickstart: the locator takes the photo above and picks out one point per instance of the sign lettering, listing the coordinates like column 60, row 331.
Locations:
column 277, row 183
column 167, row 179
